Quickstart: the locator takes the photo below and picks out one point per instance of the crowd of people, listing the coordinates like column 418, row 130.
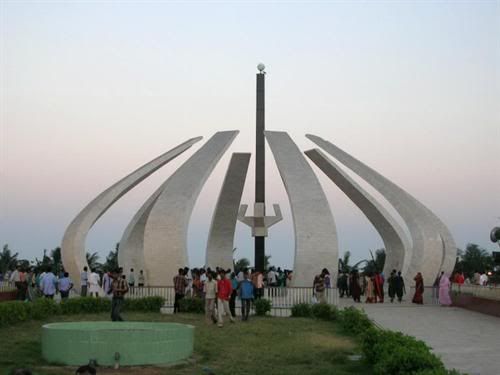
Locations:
column 219, row 288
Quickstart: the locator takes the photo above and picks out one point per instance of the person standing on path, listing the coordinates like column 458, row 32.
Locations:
column 48, row 284
column 224, row 290
column 246, row 296
column 444, row 291
column 119, row 289
column 399, row 286
column 107, row 280
column 319, row 287
column 84, row 278
column 392, row 285
column 141, row 279
column 355, row 288
column 418, row 297
column 234, row 293
column 378, row 284
column 210, row 291
column 64, row 284
column 435, row 287
column 94, row 283
column 180, row 284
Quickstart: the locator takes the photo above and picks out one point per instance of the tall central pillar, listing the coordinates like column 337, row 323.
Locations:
column 260, row 165
column 259, row 222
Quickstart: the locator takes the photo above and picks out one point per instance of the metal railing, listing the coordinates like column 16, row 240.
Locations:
column 7, row 286
column 486, row 292
column 282, row 298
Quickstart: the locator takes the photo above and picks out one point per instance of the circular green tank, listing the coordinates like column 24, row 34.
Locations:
column 128, row 343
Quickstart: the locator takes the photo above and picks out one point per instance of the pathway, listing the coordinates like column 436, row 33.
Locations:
column 465, row 340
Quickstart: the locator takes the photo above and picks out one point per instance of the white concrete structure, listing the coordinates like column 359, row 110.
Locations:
column 433, row 248
column 73, row 243
column 394, row 237
column 316, row 244
column 165, row 232
column 221, row 236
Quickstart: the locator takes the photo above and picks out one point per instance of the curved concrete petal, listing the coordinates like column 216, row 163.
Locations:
column 221, row 235
column 433, row 247
column 165, row 233
column 316, row 244
column 73, row 243
column 395, row 241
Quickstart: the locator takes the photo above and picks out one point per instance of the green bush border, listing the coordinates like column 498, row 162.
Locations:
column 390, row 353
column 13, row 312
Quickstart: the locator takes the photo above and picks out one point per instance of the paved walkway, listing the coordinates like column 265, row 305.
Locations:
column 465, row 340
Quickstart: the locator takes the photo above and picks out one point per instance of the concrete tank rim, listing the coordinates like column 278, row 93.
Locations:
column 100, row 325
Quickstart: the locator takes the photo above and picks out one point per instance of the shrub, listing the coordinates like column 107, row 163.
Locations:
column 394, row 353
column 192, row 305
column 146, row 304
column 42, row 308
column 85, row 305
column 262, row 306
column 302, row 310
column 354, row 321
column 12, row 312
column 324, row 311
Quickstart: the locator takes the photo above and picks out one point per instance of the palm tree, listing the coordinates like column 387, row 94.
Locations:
column 241, row 264
column 344, row 262
column 7, row 259
column 111, row 262
column 92, row 260
column 267, row 262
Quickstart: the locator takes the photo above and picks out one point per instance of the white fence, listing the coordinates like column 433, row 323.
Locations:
column 486, row 292
column 7, row 286
column 282, row 299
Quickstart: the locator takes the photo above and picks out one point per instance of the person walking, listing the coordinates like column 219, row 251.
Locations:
column 392, row 285
column 444, row 290
column 15, row 277
column 224, row 290
column 355, row 288
column 131, row 279
column 435, row 287
column 48, row 284
column 246, row 296
column 399, row 286
column 84, row 277
column 107, row 282
column 119, row 288
column 141, row 280
column 378, row 287
column 369, row 291
column 210, row 291
column 94, row 282
column 180, row 284
column 319, row 288
column 418, row 297
column 64, row 285
column 234, row 293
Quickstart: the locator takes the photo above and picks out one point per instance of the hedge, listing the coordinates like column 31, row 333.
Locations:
column 390, row 353
column 16, row 311
column 192, row 305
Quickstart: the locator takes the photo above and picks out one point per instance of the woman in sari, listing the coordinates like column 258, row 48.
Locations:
column 444, row 291
column 355, row 287
column 419, row 289
column 369, row 292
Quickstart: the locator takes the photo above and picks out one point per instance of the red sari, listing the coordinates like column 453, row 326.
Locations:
column 419, row 289
column 379, row 288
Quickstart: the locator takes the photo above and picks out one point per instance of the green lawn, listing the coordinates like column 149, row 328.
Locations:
column 262, row 345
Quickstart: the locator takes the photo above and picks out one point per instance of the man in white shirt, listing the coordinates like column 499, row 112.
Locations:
column 94, row 281
column 84, row 278
column 483, row 279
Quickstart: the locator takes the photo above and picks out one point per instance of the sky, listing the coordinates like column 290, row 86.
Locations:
column 91, row 90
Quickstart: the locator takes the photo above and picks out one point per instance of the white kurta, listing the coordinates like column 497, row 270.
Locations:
column 94, row 280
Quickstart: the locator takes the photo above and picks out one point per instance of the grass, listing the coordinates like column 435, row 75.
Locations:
column 261, row 345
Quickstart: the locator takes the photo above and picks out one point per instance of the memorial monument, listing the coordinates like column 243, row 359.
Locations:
column 155, row 240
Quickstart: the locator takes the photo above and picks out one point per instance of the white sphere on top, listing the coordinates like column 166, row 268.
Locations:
column 261, row 67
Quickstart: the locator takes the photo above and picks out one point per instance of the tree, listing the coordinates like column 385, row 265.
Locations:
column 44, row 264
column 267, row 262
column 55, row 255
column 8, row 260
column 241, row 264
column 474, row 259
column 376, row 264
column 93, row 261
column 111, row 262
column 344, row 262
